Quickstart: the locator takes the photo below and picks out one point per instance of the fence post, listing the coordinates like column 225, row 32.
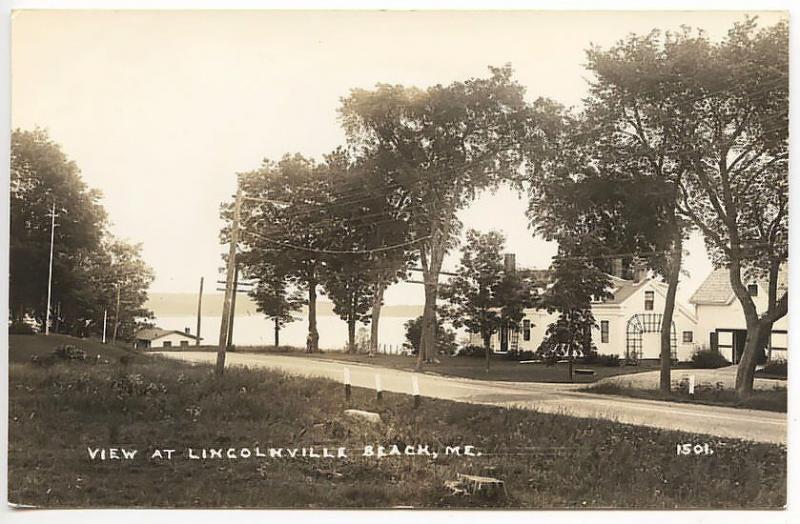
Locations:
column 415, row 390
column 691, row 386
column 378, row 390
column 347, row 391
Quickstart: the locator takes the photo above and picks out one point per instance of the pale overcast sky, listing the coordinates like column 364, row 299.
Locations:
column 161, row 109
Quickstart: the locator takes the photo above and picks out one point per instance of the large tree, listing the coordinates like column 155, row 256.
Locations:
column 735, row 153
column 274, row 294
column 631, row 137
column 484, row 295
column 41, row 176
column 285, row 213
column 577, row 281
column 116, row 284
column 439, row 146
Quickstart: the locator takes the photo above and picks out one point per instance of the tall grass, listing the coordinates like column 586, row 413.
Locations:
column 546, row 460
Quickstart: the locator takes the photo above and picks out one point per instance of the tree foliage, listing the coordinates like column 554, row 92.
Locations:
column 436, row 148
column 483, row 296
column 89, row 265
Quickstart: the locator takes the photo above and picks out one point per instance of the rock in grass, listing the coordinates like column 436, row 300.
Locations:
column 363, row 415
column 475, row 485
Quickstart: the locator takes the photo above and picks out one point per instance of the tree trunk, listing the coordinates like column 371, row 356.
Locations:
column 747, row 364
column 427, row 346
column 665, row 381
column 312, row 342
column 377, row 303
column 487, row 342
column 351, row 334
column 277, row 333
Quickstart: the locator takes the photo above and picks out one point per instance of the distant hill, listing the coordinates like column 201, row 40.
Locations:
column 185, row 304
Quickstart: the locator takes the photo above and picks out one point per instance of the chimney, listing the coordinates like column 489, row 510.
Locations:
column 510, row 262
column 187, row 331
column 616, row 267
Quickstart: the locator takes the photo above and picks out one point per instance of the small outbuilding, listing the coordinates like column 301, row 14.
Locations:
column 163, row 338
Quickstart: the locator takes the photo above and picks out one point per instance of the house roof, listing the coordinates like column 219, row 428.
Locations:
column 716, row 288
column 622, row 289
column 154, row 333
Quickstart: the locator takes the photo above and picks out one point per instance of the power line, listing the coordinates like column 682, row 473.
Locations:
column 335, row 251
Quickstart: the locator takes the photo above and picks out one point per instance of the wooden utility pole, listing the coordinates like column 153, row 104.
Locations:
column 233, row 306
column 116, row 316
column 229, row 282
column 199, row 311
column 50, row 275
column 105, row 320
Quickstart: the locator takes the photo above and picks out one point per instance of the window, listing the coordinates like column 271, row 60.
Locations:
column 604, row 331
column 526, row 330
column 166, row 344
column 184, row 343
column 688, row 336
column 752, row 289
column 649, row 298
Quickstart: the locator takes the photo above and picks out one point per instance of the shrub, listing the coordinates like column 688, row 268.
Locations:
column 69, row 352
column 20, row 328
column 776, row 368
column 472, row 351
column 611, row 361
column 708, row 359
column 590, row 358
column 445, row 338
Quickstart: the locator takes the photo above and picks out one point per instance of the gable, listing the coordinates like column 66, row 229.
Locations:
column 716, row 288
column 633, row 298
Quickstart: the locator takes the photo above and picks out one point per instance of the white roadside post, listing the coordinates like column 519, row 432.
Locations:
column 347, row 391
column 691, row 386
column 415, row 390
column 378, row 390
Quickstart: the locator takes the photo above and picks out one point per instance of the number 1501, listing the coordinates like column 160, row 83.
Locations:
column 694, row 449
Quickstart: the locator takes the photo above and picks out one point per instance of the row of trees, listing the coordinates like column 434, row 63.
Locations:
column 678, row 133
column 93, row 272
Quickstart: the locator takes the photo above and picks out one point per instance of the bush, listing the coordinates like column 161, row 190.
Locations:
column 590, row 358
column 611, row 361
column 445, row 338
column 708, row 359
column 472, row 351
column 20, row 328
column 776, row 368
column 69, row 352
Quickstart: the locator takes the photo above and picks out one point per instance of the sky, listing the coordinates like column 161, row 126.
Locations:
column 160, row 109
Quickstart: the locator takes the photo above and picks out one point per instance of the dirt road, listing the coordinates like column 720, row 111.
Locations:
column 762, row 426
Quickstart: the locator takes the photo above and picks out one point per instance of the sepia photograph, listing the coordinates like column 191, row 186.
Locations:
column 398, row 259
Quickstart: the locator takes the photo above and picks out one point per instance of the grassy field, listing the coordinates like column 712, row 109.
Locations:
column 502, row 369
column 546, row 461
column 23, row 347
column 769, row 400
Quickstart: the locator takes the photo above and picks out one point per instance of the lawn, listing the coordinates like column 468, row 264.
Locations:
column 502, row 368
column 765, row 399
column 547, row 461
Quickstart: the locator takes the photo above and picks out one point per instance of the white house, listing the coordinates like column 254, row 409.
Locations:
column 163, row 338
column 628, row 324
column 721, row 322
